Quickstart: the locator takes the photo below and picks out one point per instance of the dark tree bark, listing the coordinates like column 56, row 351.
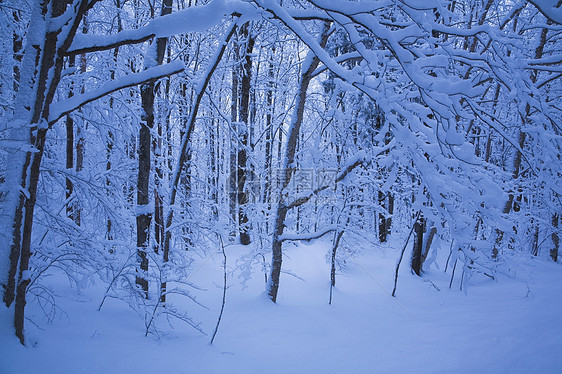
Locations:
column 385, row 200
column 535, row 248
column 10, row 286
column 17, row 49
column 110, row 137
column 419, row 227
column 70, row 150
column 269, row 130
column 335, row 246
column 144, row 217
column 242, row 167
column 390, row 212
column 163, row 126
column 382, row 220
column 428, row 243
column 385, row 219
column 240, row 118
column 80, row 150
column 555, row 238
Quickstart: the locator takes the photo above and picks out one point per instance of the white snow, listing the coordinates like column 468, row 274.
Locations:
column 508, row 326
column 193, row 19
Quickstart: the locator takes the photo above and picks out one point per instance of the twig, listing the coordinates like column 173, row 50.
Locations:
column 453, row 274
column 125, row 265
column 223, row 290
column 432, row 284
column 450, row 254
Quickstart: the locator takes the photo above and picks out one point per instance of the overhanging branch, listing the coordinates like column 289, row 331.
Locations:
column 60, row 109
column 96, row 43
column 193, row 19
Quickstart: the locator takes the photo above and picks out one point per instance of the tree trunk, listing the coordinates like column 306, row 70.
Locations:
column 240, row 115
column 338, row 234
column 419, row 227
column 382, row 220
column 555, row 238
column 428, row 242
column 143, row 176
column 110, row 137
column 535, row 248
column 70, row 150
column 80, row 141
column 234, row 146
column 42, row 66
column 269, row 131
column 17, row 48
column 242, row 172
column 309, row 65
column 387, row 202
column 148, row 93
column 21, row 161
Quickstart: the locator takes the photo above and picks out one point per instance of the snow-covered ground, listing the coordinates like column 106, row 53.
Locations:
column 512, row 325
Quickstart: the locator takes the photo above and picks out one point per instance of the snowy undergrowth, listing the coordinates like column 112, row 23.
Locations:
column 511, row 324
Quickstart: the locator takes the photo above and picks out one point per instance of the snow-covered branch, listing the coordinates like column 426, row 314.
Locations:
column 551, row 9
column 61, row 108
column 193, row 19
column 307, row 236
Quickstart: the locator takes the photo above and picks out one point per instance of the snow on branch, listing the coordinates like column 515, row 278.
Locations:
column 193, row 19
column 84, row 43
column 307, row 236
column 551, row 9
column 345, row 57
column 285, row 17
column 61, row 108
column 308, row 15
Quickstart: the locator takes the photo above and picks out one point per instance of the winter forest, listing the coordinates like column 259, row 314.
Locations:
column 282, row 186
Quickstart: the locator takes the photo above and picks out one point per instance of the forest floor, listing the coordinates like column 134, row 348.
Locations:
column 509, row 325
